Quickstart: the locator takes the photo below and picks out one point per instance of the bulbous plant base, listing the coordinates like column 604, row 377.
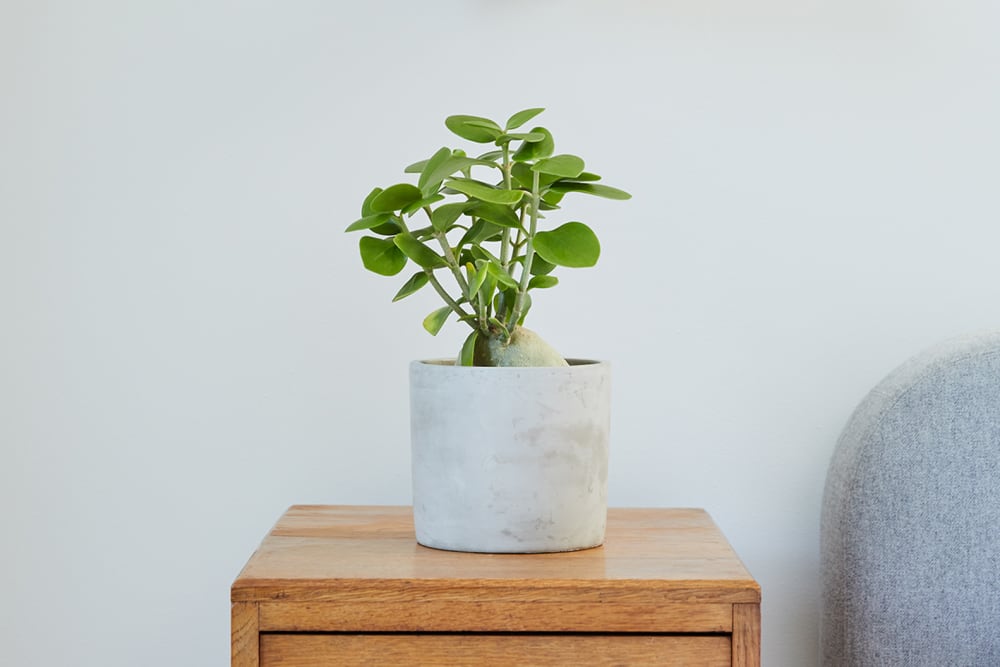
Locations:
column 510, row 460
column 524, row 348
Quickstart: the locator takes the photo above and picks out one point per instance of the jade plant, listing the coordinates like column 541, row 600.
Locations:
column 473, row 228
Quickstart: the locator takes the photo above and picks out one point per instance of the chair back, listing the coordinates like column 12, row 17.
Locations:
column 910, row 529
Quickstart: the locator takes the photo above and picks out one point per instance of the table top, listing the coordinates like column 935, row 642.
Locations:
column 316, row 552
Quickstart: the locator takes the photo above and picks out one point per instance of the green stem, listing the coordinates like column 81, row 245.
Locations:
column 520, row 233
column 529, row 255
column 436, row 284
column 484, row 320
column 449, row 257
column 505, row 235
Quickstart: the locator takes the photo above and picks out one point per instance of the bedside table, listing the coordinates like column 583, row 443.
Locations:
column 350, row 586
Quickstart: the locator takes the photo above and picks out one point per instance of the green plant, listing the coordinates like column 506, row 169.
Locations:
column 488, row 241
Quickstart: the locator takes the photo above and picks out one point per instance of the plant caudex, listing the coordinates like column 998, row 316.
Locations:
column 477, row 231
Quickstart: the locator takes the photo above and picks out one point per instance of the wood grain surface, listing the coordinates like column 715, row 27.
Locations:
column 244, row 633
column 746, row 635
column 491, row 616
column 478, row 650
column 318, row 553
column 350, row 585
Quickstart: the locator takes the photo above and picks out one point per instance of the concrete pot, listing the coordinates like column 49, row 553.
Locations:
column 510, row 460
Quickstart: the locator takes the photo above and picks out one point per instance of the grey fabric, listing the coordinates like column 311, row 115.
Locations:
column 910, row 530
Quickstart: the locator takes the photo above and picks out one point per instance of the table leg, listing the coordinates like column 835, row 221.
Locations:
column 746, row 635
column 244, row 634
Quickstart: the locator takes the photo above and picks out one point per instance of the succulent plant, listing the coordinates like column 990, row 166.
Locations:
column 472, row 228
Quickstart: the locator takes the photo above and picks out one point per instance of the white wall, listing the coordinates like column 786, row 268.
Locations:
column 188, row 343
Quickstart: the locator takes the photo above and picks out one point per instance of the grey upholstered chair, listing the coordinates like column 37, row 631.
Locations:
column 911, row 517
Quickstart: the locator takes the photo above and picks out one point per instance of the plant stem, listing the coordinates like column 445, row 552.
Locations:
column 505, row 235
column 529, row 255
column 436, row 284
column 484, row 322
column 520, row 234
column 449, row 257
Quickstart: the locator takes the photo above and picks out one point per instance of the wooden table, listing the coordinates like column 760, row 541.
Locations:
column 350, row 586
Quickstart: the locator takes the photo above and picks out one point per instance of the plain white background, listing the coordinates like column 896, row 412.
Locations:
column 188, row 342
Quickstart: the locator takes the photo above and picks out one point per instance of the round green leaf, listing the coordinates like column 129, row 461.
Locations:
column 597, row 189
column 381, row 256
column 539, row 267
column 527, row 136
column 484, row 123
column 488, row 284
column 480, row 252
column 434, row 321
column 525, row 307
column 395, row 198
column 521, row 117
column 444, row 216
column 366, row 207
column 542, row 282
column 553, row 198
column 474, row 128
column 498, row 214
column 534, row 150
column 368, row 222
column 416, row 167
column 476, row 277
column 430, row 179
column 387, row 229
column 481, row 230
column 523, row 174
column 465, row 358
column 501, row 275
column 416, row 281
column 563, row 166
column 572, row 244
column 480, row 190
column 432, row 164
column 417, row 251
column 413, row 207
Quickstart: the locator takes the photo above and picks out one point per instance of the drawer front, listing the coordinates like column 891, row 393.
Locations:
column 302, row 649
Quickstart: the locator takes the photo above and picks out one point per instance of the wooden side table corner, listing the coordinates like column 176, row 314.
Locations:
column 349, row 585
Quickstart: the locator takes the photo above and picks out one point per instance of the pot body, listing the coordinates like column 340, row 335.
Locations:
column 510, row 460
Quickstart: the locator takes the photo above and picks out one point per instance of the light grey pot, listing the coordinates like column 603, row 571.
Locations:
column 510, row 460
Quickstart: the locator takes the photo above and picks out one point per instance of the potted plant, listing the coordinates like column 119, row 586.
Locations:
column 509, row 439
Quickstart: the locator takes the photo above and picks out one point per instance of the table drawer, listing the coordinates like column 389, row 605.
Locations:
column 302, row 649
